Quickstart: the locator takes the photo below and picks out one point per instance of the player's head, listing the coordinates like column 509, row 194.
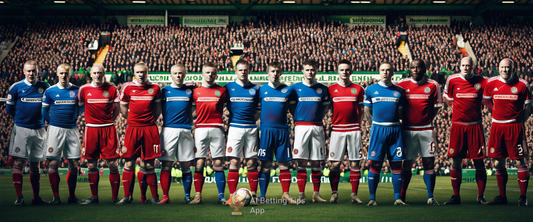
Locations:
column 386, row 71
column 209, row 73
column 30, row 71
column 345, row 69
column 417, row 69
column 274, row 72
column 242, row 70
column 467, row 65
column 310, row 69
column 507, row 69
column 63, row 73
column 98, row 74
column 140, row 70
column 178, row 73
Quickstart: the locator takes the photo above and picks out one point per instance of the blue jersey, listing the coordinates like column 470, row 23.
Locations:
column 274, row 105
column 310, row 103
column 242, row 103
column 63, row 103
column 177, row 106
column 24, row 102
column 385, row 102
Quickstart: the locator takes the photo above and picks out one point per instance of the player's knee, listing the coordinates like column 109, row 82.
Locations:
column 301, row 169
column 149, row 170
column 218, row 168
column 52, row 168
column 198, row 170
column 186, row 170
column 429, row 171
column 265, row 168
column 316, row 169
column 72, row 169
column 113, row 167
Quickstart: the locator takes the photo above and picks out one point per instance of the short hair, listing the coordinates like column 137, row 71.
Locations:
column 99, row 66
column 244, row 62
column 142, row 65
column 510, row 61
column 31, row 63
column 64, row 66
column 209, row 65
column 421, row 62
column 276, row 65
column 470, row 58
column 310, row 62
column 178, row 66
column 345, row 61
column 386, row 63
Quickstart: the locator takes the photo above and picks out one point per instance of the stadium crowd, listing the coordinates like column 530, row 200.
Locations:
column 287, row 38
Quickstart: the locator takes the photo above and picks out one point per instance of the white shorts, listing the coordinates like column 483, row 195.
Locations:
column 27, row 143
column 239, row 138
column 212, row 138
column 342, row 141
column 176, row 143
column 308, row 142
column 63, row 141
column 416, row 142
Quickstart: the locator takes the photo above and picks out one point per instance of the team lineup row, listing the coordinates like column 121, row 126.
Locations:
column 401, row 115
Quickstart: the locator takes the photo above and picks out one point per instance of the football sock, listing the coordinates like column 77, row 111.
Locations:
column 35, row 180
column 186, row 179
column 17, row 179
column 315, row 178
column 481, row 180
column 128, row 178
column 253, row 180
column 233, row 179
column 501, row 178
column 397, row 182
column 151, row 181
column 220, row 179
column 285, row 180
column 301, row 178
column 198, row 181
column 141, row 177
column 53, row 176
column 164, row 176
column 264, row 180
column 114, row 180
column 94, row 178
column 355, row 175
column 523, row 179
column 334, row 177
column 429, row 179
column 373, row 181
column 72, row 180
column 457, row 178
column 406, row 179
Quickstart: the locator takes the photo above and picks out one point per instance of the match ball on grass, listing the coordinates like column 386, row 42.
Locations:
column 241, row 195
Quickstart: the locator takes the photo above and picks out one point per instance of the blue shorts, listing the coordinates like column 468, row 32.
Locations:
column 386, row 140
column 274, row 141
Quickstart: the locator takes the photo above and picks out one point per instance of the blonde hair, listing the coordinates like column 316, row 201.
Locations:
column 31, row 63
column 142, row 65
column 98, row 65
column 64, row 66
column 178, row 66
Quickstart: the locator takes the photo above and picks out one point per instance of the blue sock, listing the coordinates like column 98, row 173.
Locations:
column 220, row 179
column 397, row 183
column 429, row 180
column 373, row 181
column 186, row 179
column 264, row 180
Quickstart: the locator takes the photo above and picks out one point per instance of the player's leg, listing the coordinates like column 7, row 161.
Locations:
column 150, row 150
column 128, row 180
column 198, row 180
column 412, row 140
column 185, row 156
column 316, row 175
column 501, row 178
column 250, row 154
column 233, row 176
column 234, row 150
column 114, row 179
column 94, row 178
column 481, row 180
column 220, row 179
column 334, row 178
column 165, row 177
column 72, row 180
column 35, row 180
column 456, row 176
column 53, row 176
column 396, row 167
column 56, row 144
column 251, row 165
column 396, row 156
column 316, row 148
column 72, row 153
column 376, row 155
column 151, row 178
column 285, row 178
column 374, row 175
column 16, row 172
column 355, row 175
column 264, row 177
column 338, row 144
column 36, row 143
column 143, row 184
column 186, row 180
column 429, row 178
column 406, row 177
column 217, row 148
column 301, row 178
column 523, row 180
column 302, row 137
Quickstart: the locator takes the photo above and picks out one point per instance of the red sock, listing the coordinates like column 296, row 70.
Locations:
column 114, row 180
column 164, row 176
column 406, row 179
column 198, row 182
column 334, row 177
column 501, row 178
column 128, row 181
column 233, row 180
column 54, row 182
column 481, row 180
column 35, row 180
column 17, row 179
column 94, row 177
column 355, row 175
column 151, row 180
column 253, row 180
column 141, row 177
column 315, row 178
column 523, row 179
column 301, row 176
column 285, row 180
column 72, row 180
column 457, row 178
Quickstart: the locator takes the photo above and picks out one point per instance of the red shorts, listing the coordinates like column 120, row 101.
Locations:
column 100, row 143
column 507, row 140
column 467, row 141
column 142, row 141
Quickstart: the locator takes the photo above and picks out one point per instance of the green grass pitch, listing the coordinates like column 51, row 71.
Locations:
column 469, row 210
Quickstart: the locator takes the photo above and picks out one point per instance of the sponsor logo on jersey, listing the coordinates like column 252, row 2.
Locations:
column 50, row 150
column 417, row 96
column 230, row 149
column 309, row 99
column 385, row 99
column 466, row 95
column 31, row 100
column 9, row 96
column 319, row 91
column 40, row 90
column 150, row 90
column 241, row 99
column 208, row 99
column 345, row 99
column 514, row 90
column 252, row 91
column 106, row 94
column 98, row 101
column 353, row 91
column 144, row 98
column 177, row 98
column 284, row 90
column 506, row 97
column 72, row 94
column 427, row 90
column 65, row 102
column 275, row 99
column 477, row 86
column 188, row 91
column 217, row 93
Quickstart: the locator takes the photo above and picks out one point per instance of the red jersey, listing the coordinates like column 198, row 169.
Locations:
column 509, row 99
column 141, row 100
column 99, row 103
column 467, row 96
column 209, row 102
column 421, row 98
column 346, row 101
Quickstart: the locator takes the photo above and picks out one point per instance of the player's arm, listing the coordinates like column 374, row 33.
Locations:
column 325, row 105
column 123, row 110
column 157, row 110
column 527, row 112
column 487, row 98
column 361, row 114
column 45, row 111
column 81, row 109
column 12, row 98
column 368, row 114
column 438, row 102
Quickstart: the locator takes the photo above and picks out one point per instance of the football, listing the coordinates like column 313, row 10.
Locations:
column 242, row 195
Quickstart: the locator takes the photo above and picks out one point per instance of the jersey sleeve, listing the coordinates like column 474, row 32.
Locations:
column 12, row 96
column 529, row 98
column 487, row 92
column 47, row 100
column 257, row 98
column 448, row 90
column 368, row 98
column 124, row 95
column 327, row 97
column 117, row 96
column 361, row 95
column 81, row 97
column 293, row 97
column 158, row 94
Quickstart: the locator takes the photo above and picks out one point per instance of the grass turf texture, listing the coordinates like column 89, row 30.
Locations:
column 469, row 210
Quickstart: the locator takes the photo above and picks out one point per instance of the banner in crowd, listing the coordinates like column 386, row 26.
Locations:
column 145, row 20
column 380, row 20
column 420, row 20
column 205, row 21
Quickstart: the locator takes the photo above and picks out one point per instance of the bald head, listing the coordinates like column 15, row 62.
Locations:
column 467, row 65
column 506, row 69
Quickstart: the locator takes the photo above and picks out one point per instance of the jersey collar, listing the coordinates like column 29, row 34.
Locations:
column 508, row 81
column 340, row 84
column 208, row 86
column 274, row 86
column 241, row 83
column 27, row 83
column 312, row 84
column 61, row 87
column 383, row 84
column 424, row 80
